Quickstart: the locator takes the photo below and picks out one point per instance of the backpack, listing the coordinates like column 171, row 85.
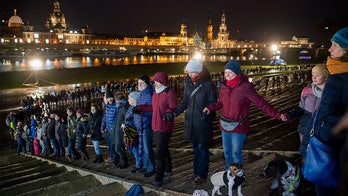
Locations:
column 135, row 190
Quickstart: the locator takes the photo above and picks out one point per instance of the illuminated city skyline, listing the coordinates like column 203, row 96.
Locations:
column 245, row 20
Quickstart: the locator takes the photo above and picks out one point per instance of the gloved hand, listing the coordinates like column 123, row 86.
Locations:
column 169, row 116
column 136, row 111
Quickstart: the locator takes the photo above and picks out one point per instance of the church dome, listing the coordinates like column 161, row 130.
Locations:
column 15, row 21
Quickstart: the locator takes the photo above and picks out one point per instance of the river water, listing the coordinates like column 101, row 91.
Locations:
column 31, row 64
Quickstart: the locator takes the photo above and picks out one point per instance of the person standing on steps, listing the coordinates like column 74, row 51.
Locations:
column 120, row 148
column 81, row 133
column 94, row 124
column 107, row 126
column 236, row 96
column 199, row 92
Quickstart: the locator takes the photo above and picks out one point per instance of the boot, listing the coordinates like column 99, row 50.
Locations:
column 123, row 163
column 96, row 159
column 100, row 160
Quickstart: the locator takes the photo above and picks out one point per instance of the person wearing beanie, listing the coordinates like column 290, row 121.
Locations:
column 333, row 106
column 309, row 103
column 108, row 123
column 81, row 112
column 109, row 94
column 145, row 78
column 132, row 146
column 134, row 95
column 199, row 92
column 341, row 38
column 164, row 102
column 233, row 66
column 236, row 96
column 142, row 121
column 81, row 133
column 194, row 65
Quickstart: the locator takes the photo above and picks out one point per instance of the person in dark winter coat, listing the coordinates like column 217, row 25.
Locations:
column 334, row 101
column 94, row 123
column 61, row 134
column 199, row 92
column 142, row 121
column 51, row 135
column 236, row 96
column 108, row 123
column 120, row 159
column 71, row 131
column 81, row 133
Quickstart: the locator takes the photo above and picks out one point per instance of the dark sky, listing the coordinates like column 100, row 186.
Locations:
column 260, row 20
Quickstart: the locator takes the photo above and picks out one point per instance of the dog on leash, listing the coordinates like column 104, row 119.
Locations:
column 233, row 178
column 286, row 177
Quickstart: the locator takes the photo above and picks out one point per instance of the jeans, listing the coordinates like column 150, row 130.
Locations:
column 21, row 146
column 138, row 163
column 111, row 145
column 148, row 155
column 201, row 162
column 96, row 144
column 71, row 148
column 55, row 145
column 232, row 144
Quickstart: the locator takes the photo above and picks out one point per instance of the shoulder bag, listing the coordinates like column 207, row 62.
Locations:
column 321, row 164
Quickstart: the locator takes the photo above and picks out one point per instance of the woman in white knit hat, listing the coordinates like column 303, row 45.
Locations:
column 199, row 92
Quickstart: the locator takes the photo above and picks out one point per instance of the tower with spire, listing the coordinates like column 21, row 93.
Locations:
column 56, row 21
column 223, row 33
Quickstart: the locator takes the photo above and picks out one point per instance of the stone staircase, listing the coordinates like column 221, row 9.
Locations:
column 22, row 175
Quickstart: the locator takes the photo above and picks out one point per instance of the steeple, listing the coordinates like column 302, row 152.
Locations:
column 183, row 29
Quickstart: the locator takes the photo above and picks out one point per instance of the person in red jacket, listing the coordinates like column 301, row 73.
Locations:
column 164, row 101
column 236, row 96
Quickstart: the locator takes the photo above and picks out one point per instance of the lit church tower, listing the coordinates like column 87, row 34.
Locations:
column 183, row 29
column 223, row 34
column 56, row 21
column 209, row 30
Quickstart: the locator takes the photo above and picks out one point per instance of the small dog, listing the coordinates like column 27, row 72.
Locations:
column 284, row 173
column 232, row 178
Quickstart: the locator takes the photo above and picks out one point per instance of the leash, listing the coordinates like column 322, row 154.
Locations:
column 292, row 182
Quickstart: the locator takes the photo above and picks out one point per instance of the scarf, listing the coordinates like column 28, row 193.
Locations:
column 200, row 75
column 316, row 91
column 161, row 89
column 233, row 82
column 336, row 66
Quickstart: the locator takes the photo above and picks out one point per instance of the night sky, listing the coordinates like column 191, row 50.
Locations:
column 266, row 20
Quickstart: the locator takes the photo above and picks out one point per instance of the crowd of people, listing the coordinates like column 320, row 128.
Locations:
column 129, row 115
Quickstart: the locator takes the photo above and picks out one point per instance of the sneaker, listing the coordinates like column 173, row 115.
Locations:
column 157, row 184
column 148, row 174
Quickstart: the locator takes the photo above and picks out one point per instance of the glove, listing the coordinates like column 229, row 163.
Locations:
column 136, row 111
column 169, row 116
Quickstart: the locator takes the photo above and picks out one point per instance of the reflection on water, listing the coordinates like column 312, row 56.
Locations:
column 30, row 64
